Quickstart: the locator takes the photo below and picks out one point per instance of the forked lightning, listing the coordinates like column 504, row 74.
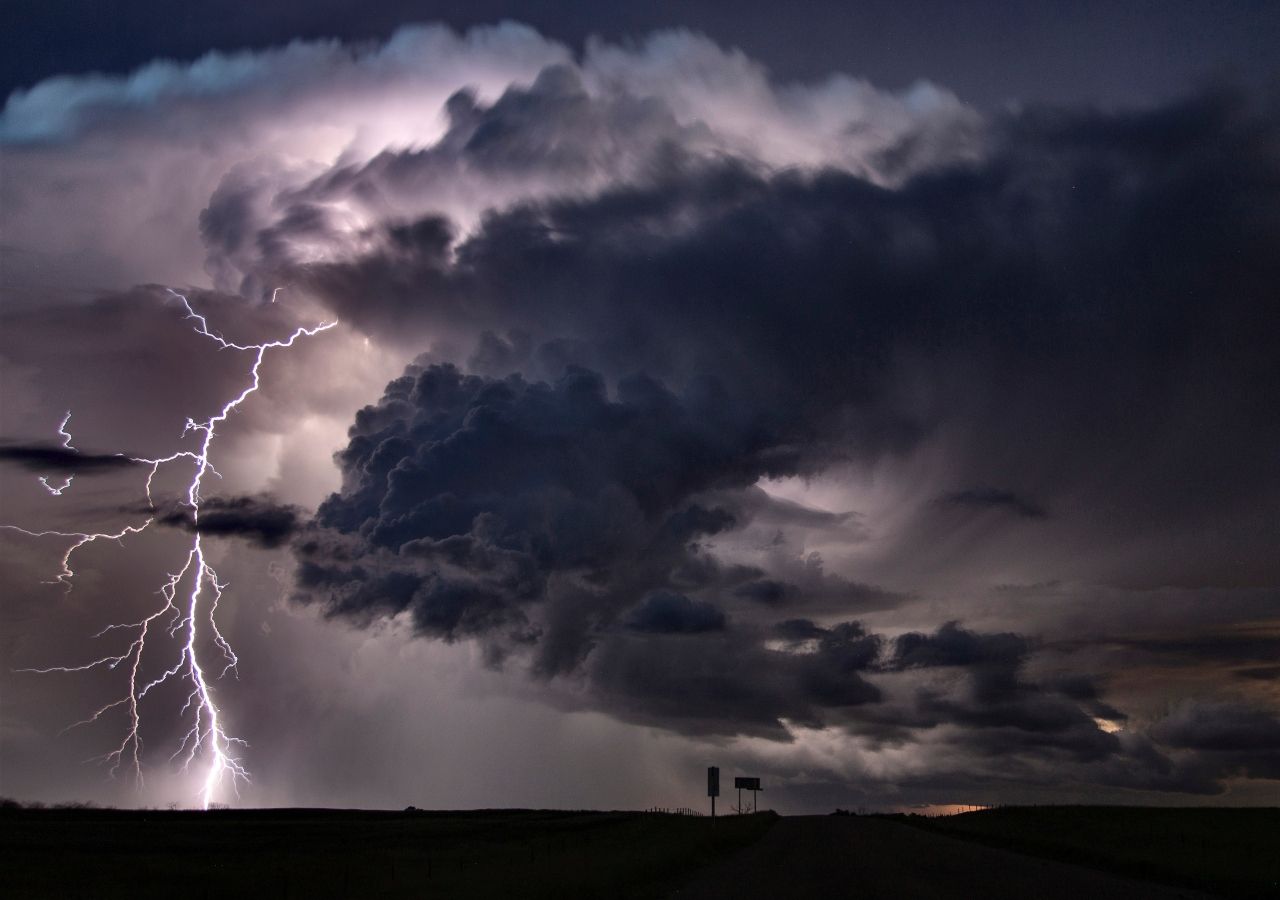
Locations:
column 191, row 619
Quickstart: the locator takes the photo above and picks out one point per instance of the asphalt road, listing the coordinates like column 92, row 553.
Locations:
column 866, row 858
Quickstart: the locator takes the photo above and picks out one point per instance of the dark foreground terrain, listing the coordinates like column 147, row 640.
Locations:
column 75, row 854
column 1048, row 853
column 884, row 858
column 1235, row 852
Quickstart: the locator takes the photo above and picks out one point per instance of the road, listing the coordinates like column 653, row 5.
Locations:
column 865, row 858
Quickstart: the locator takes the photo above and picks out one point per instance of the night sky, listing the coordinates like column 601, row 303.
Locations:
column 878, row 398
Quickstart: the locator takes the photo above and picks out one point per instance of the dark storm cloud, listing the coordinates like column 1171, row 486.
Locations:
column 783, row 322
column 805, row 581
column 999, row 706
column 1220, row 727
column 666, row 612
column 258, row 520
column 486, row 506
column 985, row 709
column 728, row 682
column 1245, row 645
column 994, row 498
column 952, row 645
column 1227, row 739
column 470, row 502
column 984, row 723
column 765, row 590
column 1022, row 303
column 1002, row 252
column 51, row 458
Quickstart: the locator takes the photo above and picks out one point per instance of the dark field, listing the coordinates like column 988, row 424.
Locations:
column 1046, row 853
column 1232, row 852
column 73, row 854
column 883, row 858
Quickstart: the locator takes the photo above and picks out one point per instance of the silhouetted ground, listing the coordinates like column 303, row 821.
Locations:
column 1098, row 853
column 75, row 854
column 878, row 858
column 1234, row 852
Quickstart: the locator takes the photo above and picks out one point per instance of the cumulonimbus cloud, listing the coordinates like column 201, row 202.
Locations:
column 649, row 279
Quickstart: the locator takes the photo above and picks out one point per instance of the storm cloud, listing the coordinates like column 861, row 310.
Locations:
column 1016, row 308
column 879, row 439
column 258, row 520
column 61, row 460
column 1013, row 305
column 477, row 501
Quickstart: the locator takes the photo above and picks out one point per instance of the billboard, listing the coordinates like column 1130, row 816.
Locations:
column 747, row 784
column 713, row 781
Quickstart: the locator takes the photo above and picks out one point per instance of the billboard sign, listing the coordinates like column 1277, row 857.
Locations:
column 747, row 784
column 713, row 781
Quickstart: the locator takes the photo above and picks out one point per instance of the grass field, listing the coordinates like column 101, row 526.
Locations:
column 73, row 854
column 1231, row 852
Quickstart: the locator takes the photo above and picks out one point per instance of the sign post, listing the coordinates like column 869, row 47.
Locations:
column 713, row 787
column 747, row 784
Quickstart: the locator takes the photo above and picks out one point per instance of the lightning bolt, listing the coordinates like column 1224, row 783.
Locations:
column 63, row 433
column 66, row 444
column 190, row 618
column 56, row 491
